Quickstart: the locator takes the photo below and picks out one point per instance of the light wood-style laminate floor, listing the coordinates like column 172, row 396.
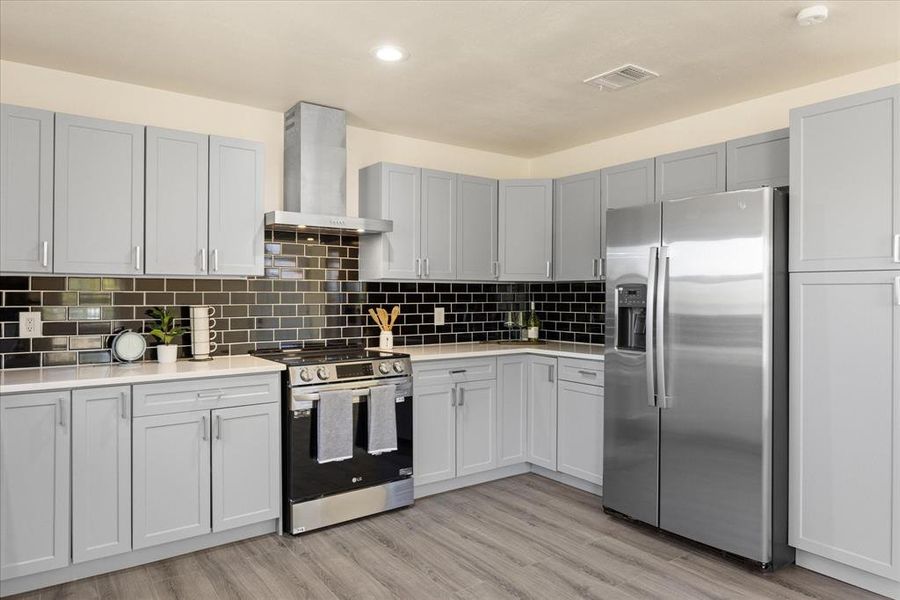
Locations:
column 522, row 537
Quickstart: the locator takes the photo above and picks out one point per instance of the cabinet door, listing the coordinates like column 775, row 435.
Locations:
column 476, row 427
column 541, row 439
column 34, row 479
column 476, row 234
column 98, row 209
column 845, row 183
column 631, row 184
column 434, row 434
column 177, row 202
column 389, row 191
column 512, row 395
column 26, row 189
column 171, row 477
column 439, row 215
column 577, row 227
column 101, row 472
column 580, row 431
column 526, row 229
column 693, row 172
column 235, row 207
column 758, row 160
column 245, row 465
column 845, row 418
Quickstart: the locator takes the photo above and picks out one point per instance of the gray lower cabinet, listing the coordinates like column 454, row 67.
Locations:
column 844, row 426
column 389, row 191
column 101, row 472
column 177, row 202
column 98, row 223
column 236, row 220
column 26, row 190
column 476, row 426
column 525, row 236
column 758, row 160
column 630, row 184
column 512, row 397
column 476, row 231
column 845, row 183
column 580, row 430
column 578, row 226
column 437, row 244
column 171, row 477
column 541, row 412
column 693, row 172
column 246, row 445
column 434, row 433
column 35, row 432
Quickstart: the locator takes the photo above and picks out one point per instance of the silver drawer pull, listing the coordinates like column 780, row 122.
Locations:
column 210, row 395
column 588, row 373
column 457, row 371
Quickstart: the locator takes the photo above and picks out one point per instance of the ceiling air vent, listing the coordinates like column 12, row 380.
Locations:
column 621, row 77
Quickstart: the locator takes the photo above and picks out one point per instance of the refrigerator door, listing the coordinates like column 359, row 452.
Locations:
column 715, row 291
column 630, row 422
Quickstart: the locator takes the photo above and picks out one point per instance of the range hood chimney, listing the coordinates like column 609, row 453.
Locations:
column 315, row 173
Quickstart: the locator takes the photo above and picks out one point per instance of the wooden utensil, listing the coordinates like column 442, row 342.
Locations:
column 395, row 312
column 375, row 318
column 382, row 314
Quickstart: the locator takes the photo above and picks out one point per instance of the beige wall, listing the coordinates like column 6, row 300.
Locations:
column 746, row 118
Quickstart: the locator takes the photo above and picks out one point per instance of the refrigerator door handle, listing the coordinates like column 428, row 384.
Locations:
column 662, row 284
column 650, row 328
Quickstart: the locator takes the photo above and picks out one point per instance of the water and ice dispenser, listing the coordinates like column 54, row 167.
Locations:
column 631, row 318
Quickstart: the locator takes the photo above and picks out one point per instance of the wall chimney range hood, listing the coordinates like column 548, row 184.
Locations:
column 315, row 173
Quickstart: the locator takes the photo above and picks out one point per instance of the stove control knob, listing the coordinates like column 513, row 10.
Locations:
column 398, row 366
column 305, row 375
column 322, row 373
column 384, row 368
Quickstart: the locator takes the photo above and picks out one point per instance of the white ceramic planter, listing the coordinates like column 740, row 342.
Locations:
column 166, row 354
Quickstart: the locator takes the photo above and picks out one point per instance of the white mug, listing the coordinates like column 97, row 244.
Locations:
column 203, row 336
column 202, row 350
column 202, row 311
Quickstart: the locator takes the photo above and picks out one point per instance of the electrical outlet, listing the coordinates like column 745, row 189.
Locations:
column 438, row 315
column 29, row 324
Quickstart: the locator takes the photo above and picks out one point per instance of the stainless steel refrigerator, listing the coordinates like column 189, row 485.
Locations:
column 695, row 417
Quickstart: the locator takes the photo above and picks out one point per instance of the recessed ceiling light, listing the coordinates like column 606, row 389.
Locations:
column 812, row 15
column 390, row 53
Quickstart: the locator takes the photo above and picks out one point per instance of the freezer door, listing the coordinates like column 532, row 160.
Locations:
column 630, row 422
column 715, row 336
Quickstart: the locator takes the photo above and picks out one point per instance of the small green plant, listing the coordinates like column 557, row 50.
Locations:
column 164, row 329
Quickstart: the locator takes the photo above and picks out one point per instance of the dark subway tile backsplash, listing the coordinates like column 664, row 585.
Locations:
column 310, row 296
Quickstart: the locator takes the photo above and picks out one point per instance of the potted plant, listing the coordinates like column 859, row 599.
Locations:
column 165, row 331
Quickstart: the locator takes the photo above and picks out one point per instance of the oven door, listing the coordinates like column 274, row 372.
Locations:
column 305, row 479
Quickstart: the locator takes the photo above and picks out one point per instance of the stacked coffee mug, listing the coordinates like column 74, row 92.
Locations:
column 202, row 335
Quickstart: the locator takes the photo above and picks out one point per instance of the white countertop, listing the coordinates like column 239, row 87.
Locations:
column 62, row 378
column 468, row 350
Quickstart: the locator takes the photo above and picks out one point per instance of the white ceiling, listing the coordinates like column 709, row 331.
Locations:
column 503, row 76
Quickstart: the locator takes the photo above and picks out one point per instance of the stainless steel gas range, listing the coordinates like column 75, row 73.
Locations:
column 318, row 494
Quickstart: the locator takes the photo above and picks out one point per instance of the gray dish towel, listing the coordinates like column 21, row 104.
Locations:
column 382, row 419
column 335, row 426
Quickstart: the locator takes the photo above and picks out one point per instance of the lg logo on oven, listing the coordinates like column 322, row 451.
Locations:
column 356, row 479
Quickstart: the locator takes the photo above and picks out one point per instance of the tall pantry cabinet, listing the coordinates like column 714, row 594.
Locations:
column 845, row 338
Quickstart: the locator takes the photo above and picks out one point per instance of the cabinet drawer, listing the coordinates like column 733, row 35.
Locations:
column 454, row 371
column 200, row 394
column 581, row 371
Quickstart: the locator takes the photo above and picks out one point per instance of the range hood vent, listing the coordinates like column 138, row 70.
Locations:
column 315, row 173
column 621, row 77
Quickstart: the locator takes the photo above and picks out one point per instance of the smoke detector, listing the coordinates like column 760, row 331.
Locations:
column 812, row 15
column 621, row 77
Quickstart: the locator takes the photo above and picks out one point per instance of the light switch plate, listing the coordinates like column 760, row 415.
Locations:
column 29, row 324
column 438, row 315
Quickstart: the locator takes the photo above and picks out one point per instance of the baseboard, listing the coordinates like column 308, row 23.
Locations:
column 439, row 487
column 133, row 558
column 848, row 574
column 568, row 480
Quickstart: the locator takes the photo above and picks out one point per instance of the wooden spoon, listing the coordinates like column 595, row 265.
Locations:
column 375, row 318
column 395, row 312
column 382, row 314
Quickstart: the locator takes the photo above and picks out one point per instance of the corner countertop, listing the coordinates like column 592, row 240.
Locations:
column 13, row 381
column 474, row 349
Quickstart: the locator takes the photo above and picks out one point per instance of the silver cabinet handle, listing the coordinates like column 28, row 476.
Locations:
column 453, row 396
column 457, row 371
column 45, row 253
column 215, row 256
column 662, row 285
column 203, row 266
column 588, row 373
column 897, row 290
column 594, row 268
column 548, row 269
column 123, row 399
column 210, row 395
column 218, row 427
column 601, row 272
column 551, row 375
column 61, row 411
column 462, row 397
column 897, row 248
column 495, row 269
column 204, row 431
column 650, row 327
column 427, row 269
column 137, row 258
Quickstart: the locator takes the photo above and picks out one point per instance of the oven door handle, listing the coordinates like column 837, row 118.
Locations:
column 306, row 401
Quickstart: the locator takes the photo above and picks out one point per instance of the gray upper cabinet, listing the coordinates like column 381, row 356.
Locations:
column 389, row 191
column 526, row 229
column 578, row 222
column 691, row 172
column 437, row 246
column 631, row 184
column 476, row 233
column 758, row 160
column 177, row 197
column 98, row 224
column 235, row 207
column 26, row 189
column 845, row 183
